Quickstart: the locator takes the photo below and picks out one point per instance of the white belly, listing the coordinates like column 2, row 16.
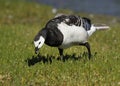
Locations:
column 73, row 35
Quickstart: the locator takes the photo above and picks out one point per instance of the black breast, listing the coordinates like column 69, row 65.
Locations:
column 54, row 37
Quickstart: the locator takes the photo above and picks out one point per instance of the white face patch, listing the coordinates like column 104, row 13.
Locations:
column 73, row 35
column 39, row 42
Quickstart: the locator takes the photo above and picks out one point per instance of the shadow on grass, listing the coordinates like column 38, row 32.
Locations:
column 39, row 58
column 49, row 59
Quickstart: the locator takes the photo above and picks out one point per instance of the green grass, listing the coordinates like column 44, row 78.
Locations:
column 19, row 23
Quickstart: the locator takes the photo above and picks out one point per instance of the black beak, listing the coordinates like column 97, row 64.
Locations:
column 36, row 50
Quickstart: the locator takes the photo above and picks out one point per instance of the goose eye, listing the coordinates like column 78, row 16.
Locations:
column 39, row 42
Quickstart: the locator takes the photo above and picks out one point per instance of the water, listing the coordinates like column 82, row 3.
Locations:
column 107, row 7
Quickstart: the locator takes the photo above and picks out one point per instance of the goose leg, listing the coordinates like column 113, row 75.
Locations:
column 61, row 53
column 87, row 45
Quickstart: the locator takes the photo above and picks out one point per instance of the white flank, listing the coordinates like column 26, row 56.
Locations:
column 73, row 35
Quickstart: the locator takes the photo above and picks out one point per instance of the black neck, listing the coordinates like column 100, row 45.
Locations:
column 40, row 33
